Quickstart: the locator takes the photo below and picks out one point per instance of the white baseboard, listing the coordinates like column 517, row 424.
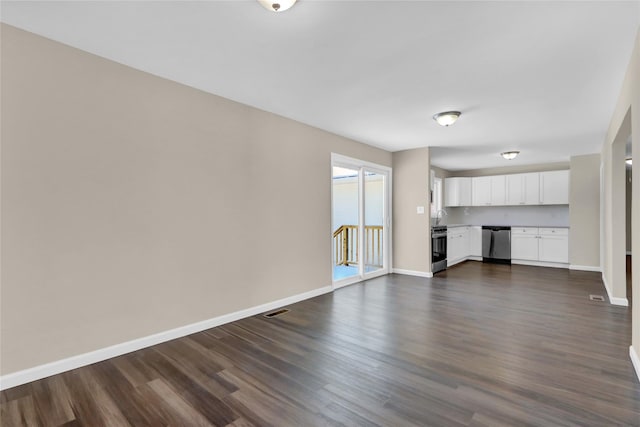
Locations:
column 614, row 300
column 606, row 285
column 635, row 360
column 468, row 258
column 412, row 272
column 458, row 261
column 346, row 282
column 73, row 362
column 619, row 301
column 539, row 263
column 585, row 268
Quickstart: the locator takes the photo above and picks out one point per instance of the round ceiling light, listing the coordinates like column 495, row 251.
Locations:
column 510, row 155
column 447, row 118
column 277, row 5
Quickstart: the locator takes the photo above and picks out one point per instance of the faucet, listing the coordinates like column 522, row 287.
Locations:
column 438, row 217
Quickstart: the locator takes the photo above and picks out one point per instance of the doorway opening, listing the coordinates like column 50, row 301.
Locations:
column 628, row 215
column 618, row 217
column 360, row 206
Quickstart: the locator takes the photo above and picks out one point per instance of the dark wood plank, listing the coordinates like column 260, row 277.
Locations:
column 19, row 412
column 53, row 401
column 477, row 345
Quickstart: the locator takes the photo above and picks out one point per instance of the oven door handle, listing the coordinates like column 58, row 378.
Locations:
column 438, row 235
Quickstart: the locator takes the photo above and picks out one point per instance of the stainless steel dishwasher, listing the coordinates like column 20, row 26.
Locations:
column 496, row 244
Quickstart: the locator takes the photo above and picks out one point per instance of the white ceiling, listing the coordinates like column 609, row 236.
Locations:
column 539, row 77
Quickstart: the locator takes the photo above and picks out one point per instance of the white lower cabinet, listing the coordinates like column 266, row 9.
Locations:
column 475, row 241
column 554, row 245
column 524, row 243
column 540, row 244
column 529, row 245
column 457, row 244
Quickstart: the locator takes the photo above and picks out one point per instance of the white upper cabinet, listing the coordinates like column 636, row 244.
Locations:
column 457, row 191
column 481, row 190
column 488, row 190
column 498, row 190
column 531, row 188
column 535, row 188
column 523, row 189
column 554, row 188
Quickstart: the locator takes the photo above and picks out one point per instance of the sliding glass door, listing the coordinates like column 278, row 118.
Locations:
column 360, row 220
column 373, row 247
column 346, row 217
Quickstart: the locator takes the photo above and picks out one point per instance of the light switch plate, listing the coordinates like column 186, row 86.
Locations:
column 420, row 210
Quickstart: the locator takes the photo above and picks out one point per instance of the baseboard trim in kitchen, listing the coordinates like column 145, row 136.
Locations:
column 585, row 268
column 539, row 263
column 635, row 360
column 73, row 362
column 413, row 272
column 614, row 300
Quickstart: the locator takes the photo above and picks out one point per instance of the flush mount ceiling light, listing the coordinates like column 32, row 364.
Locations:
column 277, row 5
column 510, row 155
column 628, row 160
column 447, row 118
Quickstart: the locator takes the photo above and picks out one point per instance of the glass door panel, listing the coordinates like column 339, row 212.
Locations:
column 374, row 215
column 345, row 222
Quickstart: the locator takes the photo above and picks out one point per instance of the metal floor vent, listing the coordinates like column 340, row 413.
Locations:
column 596, row 297
column 276, row 313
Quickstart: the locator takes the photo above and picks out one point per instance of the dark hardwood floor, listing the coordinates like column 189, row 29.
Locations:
column 478, row 345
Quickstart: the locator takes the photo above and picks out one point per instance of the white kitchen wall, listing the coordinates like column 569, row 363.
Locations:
column 548, row 216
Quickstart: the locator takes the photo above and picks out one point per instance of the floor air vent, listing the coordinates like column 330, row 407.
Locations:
column 596, row 297
column 276, row 313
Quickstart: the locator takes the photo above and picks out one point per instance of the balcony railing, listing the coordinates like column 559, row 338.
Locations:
column 346, row 245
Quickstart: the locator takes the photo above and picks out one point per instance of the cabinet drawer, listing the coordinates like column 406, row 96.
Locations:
column 524, row 230
column 554, row 231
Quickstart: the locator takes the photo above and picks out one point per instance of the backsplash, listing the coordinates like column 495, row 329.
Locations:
column 550, row 216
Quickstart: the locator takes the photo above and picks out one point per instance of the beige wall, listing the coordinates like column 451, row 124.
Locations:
column 411, row 231
column 625, row 120
column 584, row 211
column 441, row 173
column 132, row 204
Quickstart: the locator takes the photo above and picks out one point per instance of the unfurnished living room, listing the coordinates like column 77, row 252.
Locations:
column 319, row 213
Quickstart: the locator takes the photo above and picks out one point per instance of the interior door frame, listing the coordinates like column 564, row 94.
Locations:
column 361, row 166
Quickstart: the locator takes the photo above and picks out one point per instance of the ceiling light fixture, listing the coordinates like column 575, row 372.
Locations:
column 510, row 155
column 628, row 160
column 277, row 5
column 447, row 118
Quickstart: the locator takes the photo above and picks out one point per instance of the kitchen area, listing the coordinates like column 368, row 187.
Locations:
column 515, row 218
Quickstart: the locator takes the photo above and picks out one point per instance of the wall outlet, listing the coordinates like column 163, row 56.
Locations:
column 420, row 210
